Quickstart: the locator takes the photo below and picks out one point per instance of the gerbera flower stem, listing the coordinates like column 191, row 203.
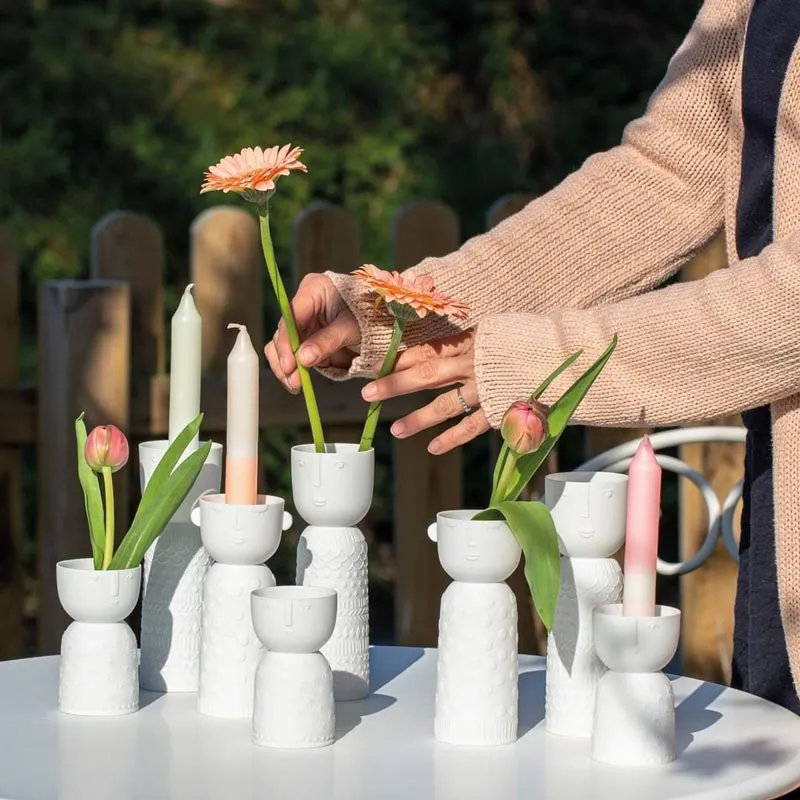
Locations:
column 374, row 411
column 291, row 329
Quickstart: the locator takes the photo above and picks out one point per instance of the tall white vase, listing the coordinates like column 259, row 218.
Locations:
column 332, row 492
column 294, row 704
column 477, row 674
column 175, row 567
column 98, row 672
column 588, row 511
column 239, row 538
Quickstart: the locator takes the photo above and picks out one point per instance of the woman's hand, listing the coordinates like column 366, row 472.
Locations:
column 435, row 366
column 326, row 326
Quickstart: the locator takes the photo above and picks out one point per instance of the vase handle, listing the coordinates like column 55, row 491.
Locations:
column 287, row 521
column 432, row 534
column 194, row 514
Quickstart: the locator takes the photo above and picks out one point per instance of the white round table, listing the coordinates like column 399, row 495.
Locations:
column 732, row 746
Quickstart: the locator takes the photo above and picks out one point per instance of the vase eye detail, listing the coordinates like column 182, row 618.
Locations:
column 301, row 463
column 340, row 465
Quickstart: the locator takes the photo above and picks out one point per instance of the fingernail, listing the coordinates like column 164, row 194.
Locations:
column 308, row 354
column 398, row 429
column 434, row 447
column 369, row 392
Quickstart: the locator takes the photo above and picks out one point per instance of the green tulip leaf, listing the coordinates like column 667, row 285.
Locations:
column 92, row 499
column 533, row 527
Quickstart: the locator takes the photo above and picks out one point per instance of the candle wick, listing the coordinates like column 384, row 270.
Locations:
column 237, row 325
column 188, row 289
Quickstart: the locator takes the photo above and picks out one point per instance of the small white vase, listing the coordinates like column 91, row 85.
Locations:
column 477, row 674
column 332, row 492
column 98, row 672
column 240, row 538
column 634, row 713
column 174, row 570
column 293, row 704
column 588, row 510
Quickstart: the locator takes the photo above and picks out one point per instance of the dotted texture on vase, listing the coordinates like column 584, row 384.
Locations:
column 98, row 671
column 477, row 677
column 573, row 668
column 175, row 567
column 337, row 558
column 230, row 650
column 294, row 704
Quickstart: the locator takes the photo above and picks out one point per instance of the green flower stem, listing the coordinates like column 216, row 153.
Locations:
column 291, row 329
column 374, row 411
column 108, row 489
column 506, row 478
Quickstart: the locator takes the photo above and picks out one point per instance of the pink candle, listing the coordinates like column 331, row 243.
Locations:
column 241, row 456
column 641, row 533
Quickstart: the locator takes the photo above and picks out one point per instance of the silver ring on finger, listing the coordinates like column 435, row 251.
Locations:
column 468, row 409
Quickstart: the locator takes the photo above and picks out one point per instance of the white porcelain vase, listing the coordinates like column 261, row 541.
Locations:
column 332, row 492
column 477, row 675
column 98, row 672
column 175, row 568
column 239, row 539
column 634, row 713
column 293, row 702
column 589, row 511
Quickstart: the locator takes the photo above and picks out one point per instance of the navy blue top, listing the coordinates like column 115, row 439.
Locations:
column 760, row 661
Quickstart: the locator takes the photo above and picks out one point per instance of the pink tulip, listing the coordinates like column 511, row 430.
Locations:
column 525, row 427
column 106, row 446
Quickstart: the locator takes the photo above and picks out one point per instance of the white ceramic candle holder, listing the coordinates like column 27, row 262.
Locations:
column 332, row 492
column 98, row 673
column 477, row 678
column 634, row 713
column 174, row 570
column 294, row 706
column 239, row 538
column 588, row 510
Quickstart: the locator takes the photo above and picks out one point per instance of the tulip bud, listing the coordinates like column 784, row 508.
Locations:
column 525, row 427
column 106, row 446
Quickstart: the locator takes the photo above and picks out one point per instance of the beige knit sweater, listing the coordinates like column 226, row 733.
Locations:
column 569, row 271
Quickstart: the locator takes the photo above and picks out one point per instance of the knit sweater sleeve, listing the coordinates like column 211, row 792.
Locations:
column 685, row 353
column 624, row 222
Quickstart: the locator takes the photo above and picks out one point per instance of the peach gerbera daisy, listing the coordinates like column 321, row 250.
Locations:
column 415, row 292
column 253, row 170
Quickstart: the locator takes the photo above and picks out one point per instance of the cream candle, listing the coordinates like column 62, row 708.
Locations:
column 241, row 462
column 185, row 365
column 641, row 533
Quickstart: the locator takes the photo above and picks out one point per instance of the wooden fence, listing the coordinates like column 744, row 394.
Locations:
column 101, row 348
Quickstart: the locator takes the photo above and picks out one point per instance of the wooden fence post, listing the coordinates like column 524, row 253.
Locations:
column 424, row 484
column 11, row 510
column 84, row 332
column 707, row 594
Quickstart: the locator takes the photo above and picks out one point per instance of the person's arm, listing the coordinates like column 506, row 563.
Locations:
column 686, row 353
column 623, row 223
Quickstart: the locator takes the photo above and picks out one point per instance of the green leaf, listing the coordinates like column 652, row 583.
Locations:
column 147, row 527
column 533, row 527
column 558, row 417
column 92, row 499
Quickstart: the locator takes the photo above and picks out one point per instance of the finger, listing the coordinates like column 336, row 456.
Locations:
column 466, row 430
column 443, row 348
column 320, row 347
column 284, row 349
column 271, row 353
column 432, row 374
column 444, row 407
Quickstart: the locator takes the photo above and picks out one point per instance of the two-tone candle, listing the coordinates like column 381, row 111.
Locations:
column 241, row 462
column 185, row 365
column 641, row 533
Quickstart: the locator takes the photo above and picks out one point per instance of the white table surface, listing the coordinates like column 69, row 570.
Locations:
column 732, row 746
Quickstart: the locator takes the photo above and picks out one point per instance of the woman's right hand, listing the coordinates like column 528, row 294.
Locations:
column 328, row 331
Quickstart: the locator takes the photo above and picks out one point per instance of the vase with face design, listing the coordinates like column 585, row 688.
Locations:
column 589, row 511
column 332, row 492
column 477, row 677
column 239, row 539
column 98, row 672
column 634, row 711
column 174, row 570
column 293, row 704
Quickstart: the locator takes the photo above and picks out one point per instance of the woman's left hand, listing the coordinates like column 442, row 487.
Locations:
column 435, row 366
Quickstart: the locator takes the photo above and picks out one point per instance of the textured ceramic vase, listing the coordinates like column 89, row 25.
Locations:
column 332, row 492
column 98, row 672
column 174, row 571
column 239, row 539
column 588, row 510
column 634, row 713
column 293, row 703
column 477, row 674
